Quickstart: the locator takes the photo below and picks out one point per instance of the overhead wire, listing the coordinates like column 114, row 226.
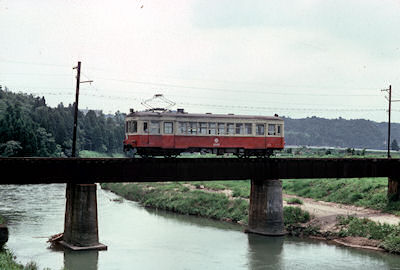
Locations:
column 233, row 90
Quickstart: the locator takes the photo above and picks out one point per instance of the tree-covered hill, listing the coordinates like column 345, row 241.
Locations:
column 28, row 127
column 359, row 133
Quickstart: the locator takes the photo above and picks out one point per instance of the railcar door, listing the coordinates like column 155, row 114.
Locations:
column 168, row 138
column 146, row 132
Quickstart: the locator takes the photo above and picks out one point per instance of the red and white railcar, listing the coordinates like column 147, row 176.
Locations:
column 169, row 133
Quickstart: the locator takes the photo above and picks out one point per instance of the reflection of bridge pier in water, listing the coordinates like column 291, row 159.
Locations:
column 87, row 260
column 266, row 251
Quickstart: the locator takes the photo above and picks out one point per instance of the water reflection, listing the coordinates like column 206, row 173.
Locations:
column 194, row 220
column 78, row 260
column 265, row 252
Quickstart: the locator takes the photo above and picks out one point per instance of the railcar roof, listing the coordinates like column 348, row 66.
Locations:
column 199, row 115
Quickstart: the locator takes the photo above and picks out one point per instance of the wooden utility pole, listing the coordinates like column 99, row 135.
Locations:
column 389, row 90
column 78, row 82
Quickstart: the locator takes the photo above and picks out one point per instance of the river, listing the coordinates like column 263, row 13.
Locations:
column 139, row 238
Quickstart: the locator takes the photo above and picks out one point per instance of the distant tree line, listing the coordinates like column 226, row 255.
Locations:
column 28, row 127
column 355, row 133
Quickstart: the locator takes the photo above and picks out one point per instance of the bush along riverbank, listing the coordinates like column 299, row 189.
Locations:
column 229, row 201
column 185, row 198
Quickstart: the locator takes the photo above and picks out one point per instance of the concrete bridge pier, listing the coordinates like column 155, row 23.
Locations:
column 393, row 189
column 266, row 208
column 81, row 225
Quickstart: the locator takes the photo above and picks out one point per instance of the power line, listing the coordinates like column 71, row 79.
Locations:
column 104, row 96
column 231, row 90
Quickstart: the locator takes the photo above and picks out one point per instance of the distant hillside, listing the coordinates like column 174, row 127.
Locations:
column 359, row 133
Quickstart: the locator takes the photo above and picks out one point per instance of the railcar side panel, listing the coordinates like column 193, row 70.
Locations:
column 184, row 142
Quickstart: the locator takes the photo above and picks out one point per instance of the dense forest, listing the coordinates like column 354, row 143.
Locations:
column 28, row 127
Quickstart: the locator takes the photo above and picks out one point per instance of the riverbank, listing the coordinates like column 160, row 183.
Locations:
column 228, row 201
column 7, row 258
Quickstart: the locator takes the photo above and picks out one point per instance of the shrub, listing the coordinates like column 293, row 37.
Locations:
column 392, row 243
column 294, row 201
column 293, row 215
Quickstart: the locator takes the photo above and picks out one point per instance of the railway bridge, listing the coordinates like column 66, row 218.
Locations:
column 266, row 207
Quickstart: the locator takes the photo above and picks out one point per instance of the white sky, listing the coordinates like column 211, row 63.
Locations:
column 294, row 58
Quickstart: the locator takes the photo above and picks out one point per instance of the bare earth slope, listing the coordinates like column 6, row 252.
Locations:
column 325, row 213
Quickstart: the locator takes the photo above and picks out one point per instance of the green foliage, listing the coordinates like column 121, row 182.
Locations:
column 10, row 149
column 2, row 220
column 178, row 198
column 293, row 215
column 239, row 188
column 28, row 127
column 7, row 261
column 365, row 228
column 389, row 235
column 294, row 201
column 392, row 243
column 366, row 192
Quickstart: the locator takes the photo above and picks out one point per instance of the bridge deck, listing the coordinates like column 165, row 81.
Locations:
column 89, row 170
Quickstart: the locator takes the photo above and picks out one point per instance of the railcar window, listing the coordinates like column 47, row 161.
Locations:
column 132, row 126
column 211, row 128
column 239, row 128
column 202, row 128
column 155, row 127
column 230, row 128
column 182, row 127
column 145, row 127
column 126, row 127
column 278, row 131
column 221, row 128
column 248, row 128
column 192, row 128
column 271, row 129
column 168, row 128
column 260, row 129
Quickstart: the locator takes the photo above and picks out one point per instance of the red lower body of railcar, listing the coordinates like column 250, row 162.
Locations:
column 182, row 143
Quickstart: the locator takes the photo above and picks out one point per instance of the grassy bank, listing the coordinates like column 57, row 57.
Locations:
column 179, row 198
column 94, row 154
column 7, row 262
column 366, row 192
column 387, row 235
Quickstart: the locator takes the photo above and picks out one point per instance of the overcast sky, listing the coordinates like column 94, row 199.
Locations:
column 294, row 58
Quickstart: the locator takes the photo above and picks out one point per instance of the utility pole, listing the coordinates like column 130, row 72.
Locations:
column 78, row 82
column 389, row 90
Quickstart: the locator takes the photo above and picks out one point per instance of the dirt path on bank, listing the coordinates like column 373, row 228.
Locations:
column 325, row 213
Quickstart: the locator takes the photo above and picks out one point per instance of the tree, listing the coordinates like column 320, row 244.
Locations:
column 10, row 149
column 395, row 146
